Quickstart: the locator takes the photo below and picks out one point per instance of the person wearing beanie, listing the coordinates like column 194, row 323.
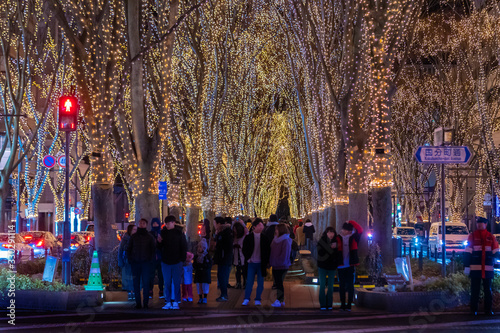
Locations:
column 156, row 266
column 202, row 265
column 141, row 252
column 347, row 244
column 479, row 259
column 173, row 246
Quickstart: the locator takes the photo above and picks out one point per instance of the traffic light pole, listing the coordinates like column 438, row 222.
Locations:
column 66, row 258
column 443, row 224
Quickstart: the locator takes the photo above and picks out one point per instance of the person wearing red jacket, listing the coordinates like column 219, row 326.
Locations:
column 347, row 243
column 479, row 258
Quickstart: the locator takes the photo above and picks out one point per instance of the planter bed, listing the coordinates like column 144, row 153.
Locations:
column 54, row 300
column 399, row 302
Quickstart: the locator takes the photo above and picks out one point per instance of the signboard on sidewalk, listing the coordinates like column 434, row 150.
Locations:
column 443, row 154
column 162, row 190
column 50, row 269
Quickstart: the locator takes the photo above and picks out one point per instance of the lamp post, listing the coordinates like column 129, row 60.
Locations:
column 443, row 137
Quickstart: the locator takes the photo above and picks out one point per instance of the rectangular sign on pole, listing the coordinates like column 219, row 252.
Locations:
column 163, row 189
column 443, row 155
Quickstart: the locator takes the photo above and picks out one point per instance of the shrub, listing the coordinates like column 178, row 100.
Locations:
column 31, row 267
column 454, row 284
column 25, row 282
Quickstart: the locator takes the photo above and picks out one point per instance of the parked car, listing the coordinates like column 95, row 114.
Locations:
column 90, row 226
column 407, row 234
column 17, row 244
column 456, row 236
column 40, row 241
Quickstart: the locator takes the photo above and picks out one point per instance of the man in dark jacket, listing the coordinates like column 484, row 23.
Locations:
column 348, row 247
column 309, row 232
column 173, row 247
column 141, row 251
column 271, row 226
column 479, row 259
column 223, row 255
column 256, row 250
column 328, row 260
column 156, row 266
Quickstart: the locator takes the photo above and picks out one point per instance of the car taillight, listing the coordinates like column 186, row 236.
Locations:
column 88, row 238
column 7, row 246
column 40, row 243
column 28, row 237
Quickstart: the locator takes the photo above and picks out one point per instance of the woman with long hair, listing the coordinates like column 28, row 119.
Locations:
column 124, row 263
column 281, row 249
column 328, row 260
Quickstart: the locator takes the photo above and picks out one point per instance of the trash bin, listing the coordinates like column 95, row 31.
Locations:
column 397, row 247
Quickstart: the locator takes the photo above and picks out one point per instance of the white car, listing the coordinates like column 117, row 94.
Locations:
column 457, row 234
column 16, row 243
column 407, row 234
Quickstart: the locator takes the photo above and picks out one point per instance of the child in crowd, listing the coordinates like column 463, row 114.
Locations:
column 187, row 281
column 202, row 265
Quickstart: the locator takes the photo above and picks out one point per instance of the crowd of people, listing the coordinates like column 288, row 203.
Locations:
column 253, row 248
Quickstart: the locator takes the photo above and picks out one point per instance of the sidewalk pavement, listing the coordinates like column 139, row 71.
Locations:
column 298, row 297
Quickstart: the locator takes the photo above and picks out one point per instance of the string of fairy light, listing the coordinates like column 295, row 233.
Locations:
column 223, row 105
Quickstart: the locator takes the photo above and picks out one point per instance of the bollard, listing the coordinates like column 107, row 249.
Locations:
column 435, row 252
column 421, row 260
column 415, row 254
column 404, row 249
column 428, row 252
column 46, row 252
column 32, row 257
column 409, row 250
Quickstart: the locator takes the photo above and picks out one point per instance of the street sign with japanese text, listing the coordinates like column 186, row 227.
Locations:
column 443, row 154
column 162, row 190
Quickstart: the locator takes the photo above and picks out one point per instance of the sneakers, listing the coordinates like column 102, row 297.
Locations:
column 322, row 309
column 185, row 299
column 168, row 306
column 276, row 304
column 245, row 302
column 204, row 301
column 190, row 299
column 330, row 308
column 200, row 301
column 257, row 302
column 175, row 306
column 221, row 299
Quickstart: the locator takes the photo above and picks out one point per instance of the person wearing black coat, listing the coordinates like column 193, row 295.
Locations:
column 328, row 261
column 141, row 252
column 256, row 250
column 223, row 256
column 309, row 232
column 202, row 265
column 173, row 246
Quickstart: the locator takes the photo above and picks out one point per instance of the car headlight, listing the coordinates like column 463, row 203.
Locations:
column 466, row 243
column 440, row 242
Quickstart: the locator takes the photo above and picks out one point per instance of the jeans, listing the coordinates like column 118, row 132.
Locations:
column 203, row 288
column 172, row 275
column 141, row 271
column 254, row 269
column 241, row 271
column 346, row 283
column 156, row 266
column 475, row 286
column 279, row 277
column 223, row 272
column 326, row 301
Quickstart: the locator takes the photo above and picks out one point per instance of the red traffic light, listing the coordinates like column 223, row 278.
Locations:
column 68, row 113
column 127, row 215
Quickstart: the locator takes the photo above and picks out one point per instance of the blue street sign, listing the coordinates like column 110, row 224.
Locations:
column 443, row 155
column 163, row 189
column 49, row 161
